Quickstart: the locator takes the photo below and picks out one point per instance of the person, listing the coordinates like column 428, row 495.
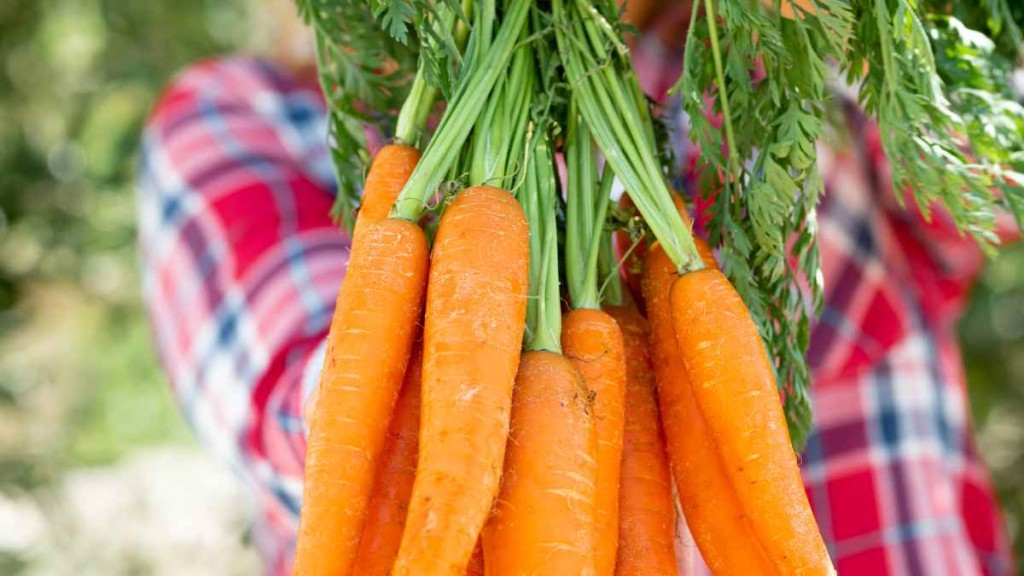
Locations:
column 241, row 264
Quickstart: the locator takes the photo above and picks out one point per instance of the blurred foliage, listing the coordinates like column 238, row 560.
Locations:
column 79, row 77
column 79, row 382
column 992, row 335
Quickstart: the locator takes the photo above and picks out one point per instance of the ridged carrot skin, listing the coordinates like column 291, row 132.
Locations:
column 368, row 347
column 593, row 341
column 473, row 331
column 720, row 527
column 646, row 506
column 391, row 168
column 392, row 486
column 543, row 519
column 734, row 388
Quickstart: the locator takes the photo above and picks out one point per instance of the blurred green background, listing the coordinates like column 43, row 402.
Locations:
column 97, row 472
column 96, row 465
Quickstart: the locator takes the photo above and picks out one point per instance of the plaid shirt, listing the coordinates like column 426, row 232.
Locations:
column 241, row 265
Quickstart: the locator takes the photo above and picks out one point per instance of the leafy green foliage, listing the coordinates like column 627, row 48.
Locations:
column 976, row 75
column 434, row 39
column 489, row 53
column 364, row 73
column 999, row 20
column 919, row 130
column 79, row 381
column 397, row 18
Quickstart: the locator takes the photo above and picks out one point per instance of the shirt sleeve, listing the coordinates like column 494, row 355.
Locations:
column 241, row 262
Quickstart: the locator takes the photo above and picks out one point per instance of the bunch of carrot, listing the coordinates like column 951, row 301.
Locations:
column 493, row 401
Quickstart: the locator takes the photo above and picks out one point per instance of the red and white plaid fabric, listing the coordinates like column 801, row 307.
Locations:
column 241, row 264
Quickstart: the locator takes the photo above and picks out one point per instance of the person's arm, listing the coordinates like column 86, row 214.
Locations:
column 241, row 262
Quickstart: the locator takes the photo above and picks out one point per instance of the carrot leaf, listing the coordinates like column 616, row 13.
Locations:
column 352, row 50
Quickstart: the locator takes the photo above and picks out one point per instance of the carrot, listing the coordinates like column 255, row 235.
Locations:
column 543, row 520
column 646, row 505
column 391, row 168
column 593, row 341
column 734, row 389
column 368, row 347
column 719, row 525
column 476, row 308
column 392, row 485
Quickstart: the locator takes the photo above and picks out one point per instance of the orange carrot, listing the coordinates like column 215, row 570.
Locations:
column 543, row 520
column 720, row 527
column 391, row 168
column 593, row 341
column 734, row 389
column 368, row 346
column 476, row 311
column 392, row 485
column 646, row 505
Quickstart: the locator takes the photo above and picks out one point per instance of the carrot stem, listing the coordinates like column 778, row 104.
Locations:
column 412, row 119
column 618, row 126
column 475, row 86
column 580, row 215
column 499, row 137
column 610, row 290
column 543, row 309
column 599, row 197
column 716, row 56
